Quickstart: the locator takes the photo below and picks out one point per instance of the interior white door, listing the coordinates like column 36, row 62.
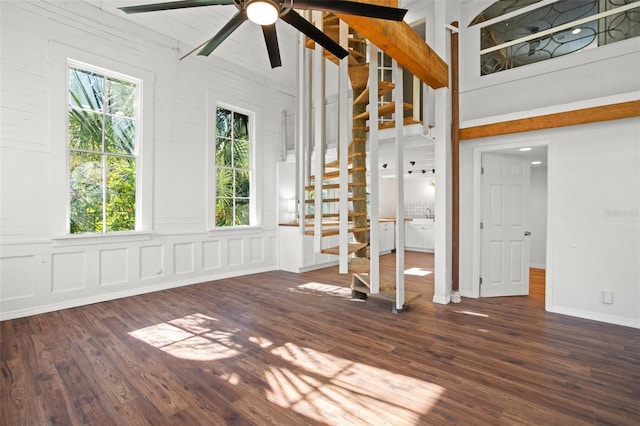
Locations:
column 504, row 256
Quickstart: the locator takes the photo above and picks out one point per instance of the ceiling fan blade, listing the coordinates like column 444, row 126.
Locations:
column 173, row 5
column 295, row 20
column 352, row 8
column 271, row 39
column 225, row 32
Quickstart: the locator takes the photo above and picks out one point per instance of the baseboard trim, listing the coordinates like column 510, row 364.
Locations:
column 595, row 316
column 442, row 300
column 42, row 309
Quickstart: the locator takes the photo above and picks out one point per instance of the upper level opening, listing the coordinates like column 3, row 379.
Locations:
column 509, row 39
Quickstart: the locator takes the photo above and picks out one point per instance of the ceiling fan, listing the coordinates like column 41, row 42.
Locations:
column 266, row 12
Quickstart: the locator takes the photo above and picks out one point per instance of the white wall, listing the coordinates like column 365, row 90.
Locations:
column 593, row 171
column 388, row 197
column 538, row 217
column 418, row 189
column 579, row 77
column 40, row 272
column 594, row 219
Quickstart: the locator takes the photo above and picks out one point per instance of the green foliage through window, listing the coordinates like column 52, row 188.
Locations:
column 102, row 153
column 233, row 172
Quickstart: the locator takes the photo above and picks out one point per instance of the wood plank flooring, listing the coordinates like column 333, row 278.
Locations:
column 287, row 349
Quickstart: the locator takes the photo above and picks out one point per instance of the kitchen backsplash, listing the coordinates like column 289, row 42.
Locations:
column 419, row 209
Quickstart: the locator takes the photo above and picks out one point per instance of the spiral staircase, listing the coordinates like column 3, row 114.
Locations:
column 358, row 221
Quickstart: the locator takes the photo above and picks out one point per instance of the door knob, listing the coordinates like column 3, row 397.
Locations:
column 527, row 233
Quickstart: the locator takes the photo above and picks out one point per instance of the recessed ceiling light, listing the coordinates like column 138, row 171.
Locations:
column 536, row 163
column 576, row 31
column 528, row 148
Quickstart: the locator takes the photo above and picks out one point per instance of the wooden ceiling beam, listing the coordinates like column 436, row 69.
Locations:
column 402, row 43
column 550, row 121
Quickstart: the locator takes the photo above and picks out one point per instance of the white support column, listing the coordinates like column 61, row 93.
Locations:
column 343, row 150
column 416, row 99
column 374, row 179
column 319, row 100
column 442, row 227
column 399, row 112
column 302, row 128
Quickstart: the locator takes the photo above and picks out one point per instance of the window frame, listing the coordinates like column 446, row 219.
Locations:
column 62, row 57
column 103, row 153
column 254, row 113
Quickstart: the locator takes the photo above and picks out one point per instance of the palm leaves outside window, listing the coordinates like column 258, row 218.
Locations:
column 233, row 173
column 102, row 153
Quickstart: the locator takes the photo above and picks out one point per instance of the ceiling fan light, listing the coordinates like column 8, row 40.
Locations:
column 262, row 12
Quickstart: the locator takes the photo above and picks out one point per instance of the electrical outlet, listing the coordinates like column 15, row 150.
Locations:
column 607, row 297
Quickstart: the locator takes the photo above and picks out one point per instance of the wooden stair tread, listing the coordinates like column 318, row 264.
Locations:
column 324, row 215
column 384, row 87
column 388, row 108
column 334, row 185
column 336, row 215
column 359, row 264
column 331, row 175
column 351, row 248
column 387, row 294
column 335, row 231
column 391, row 124
column 336, row 173
column 359, row 75
column 336, row 163
column 335, row 200
column 365, row 279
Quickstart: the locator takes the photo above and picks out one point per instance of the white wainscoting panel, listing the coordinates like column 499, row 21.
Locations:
column 256, row 247
column 210, row 255
column 235, row 252
column 19, row 269
column 151, row 261
column 183, row 258
column 68, row 272
column 114, row 266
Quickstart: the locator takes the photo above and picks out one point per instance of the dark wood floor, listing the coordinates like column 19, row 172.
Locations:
column 287, row 349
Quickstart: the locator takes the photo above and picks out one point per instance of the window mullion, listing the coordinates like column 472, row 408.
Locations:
column 104, row 154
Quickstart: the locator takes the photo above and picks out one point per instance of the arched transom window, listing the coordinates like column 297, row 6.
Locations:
column 551, row 29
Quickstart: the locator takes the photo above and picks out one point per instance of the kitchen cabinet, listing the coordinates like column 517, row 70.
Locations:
column 387, row 237
column 296, row 253
column 419, row 235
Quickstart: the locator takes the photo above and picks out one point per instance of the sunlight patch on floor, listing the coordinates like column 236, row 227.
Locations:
column 476, row 314
column 261, row 341
column 191, row 337
column 335, row 390
column 418, row 272
column 319, row 288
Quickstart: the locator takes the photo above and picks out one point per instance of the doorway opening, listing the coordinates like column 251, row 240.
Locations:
column 510, row 244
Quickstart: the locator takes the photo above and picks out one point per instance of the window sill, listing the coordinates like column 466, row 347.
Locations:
column 94, row 238
column 237, row 230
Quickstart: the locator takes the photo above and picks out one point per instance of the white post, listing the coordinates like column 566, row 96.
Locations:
column 374, row 179
column 416, row 98
column 302, row 129
column 442, row 227
column 343, row 150
column 399, row 112
column 318, row 133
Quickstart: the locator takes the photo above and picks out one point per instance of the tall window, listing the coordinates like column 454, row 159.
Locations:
column 553, row 30
column 233, row 168
column 102, row 151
